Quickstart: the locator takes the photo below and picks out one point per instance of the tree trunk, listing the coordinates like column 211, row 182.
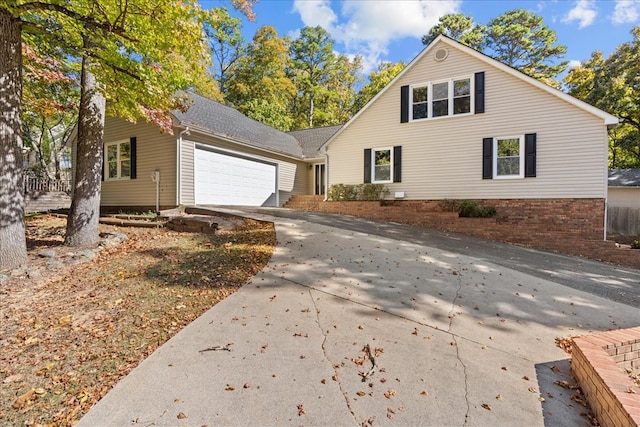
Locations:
column 13, row 246
column 82, row 223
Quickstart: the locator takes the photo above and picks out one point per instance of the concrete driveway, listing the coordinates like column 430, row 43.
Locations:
column 356, row 322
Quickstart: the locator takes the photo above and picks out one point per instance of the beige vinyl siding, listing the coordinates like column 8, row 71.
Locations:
column 155, row 151
column 442, row 158
column 187, row 195
column 292, row 174
column 628, row 197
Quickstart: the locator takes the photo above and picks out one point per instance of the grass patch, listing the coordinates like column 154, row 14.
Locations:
column 66, row 341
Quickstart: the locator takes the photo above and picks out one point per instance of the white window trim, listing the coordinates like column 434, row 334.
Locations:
column 521, row 157
column 373, row 165
column 106, row 160
column 450, row 95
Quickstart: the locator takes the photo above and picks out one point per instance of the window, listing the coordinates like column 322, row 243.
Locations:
column 383, row 165
column 509, row 158
column 382, row 161
column 118, row 160
column 448, row 98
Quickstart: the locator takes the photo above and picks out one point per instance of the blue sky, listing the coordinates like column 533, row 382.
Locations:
column 387, row 30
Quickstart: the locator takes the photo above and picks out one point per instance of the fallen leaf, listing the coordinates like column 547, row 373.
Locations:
column 361, row 393
column 246, row 385
column 499, row 397
column 556, row 370
column 486, row 406
column 526, row 378
column 301, row 410
column 532, row 389
column 181, row 416
column 229, row 388
column 563, row 384
column 424, row 393
column 23, row 399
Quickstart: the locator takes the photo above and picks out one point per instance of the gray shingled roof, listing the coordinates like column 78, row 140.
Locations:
column 624, row 178
column 224, row 121
column 312, row 139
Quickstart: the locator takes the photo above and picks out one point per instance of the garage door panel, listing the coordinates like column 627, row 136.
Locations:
column 222, row 179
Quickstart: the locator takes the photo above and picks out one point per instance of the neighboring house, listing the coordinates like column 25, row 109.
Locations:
column 623, row 214
column 624, row 188
column 457, row 124
column 216, row 156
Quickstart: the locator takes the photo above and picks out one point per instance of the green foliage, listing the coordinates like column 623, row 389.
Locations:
column 611, row 84
column 363, row 192
column 473, row 209
column 520, row 39
column 324, row 81
column 226, row 43
column 458, row 27
column 635, row 244
column 378, row 80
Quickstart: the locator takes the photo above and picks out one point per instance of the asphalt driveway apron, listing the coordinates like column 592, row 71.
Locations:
column 344, row 327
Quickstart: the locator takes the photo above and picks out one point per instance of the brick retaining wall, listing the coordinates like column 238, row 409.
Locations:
column 597, row 363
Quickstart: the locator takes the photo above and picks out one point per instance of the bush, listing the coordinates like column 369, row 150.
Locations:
column 449, row 205
column 472, row 209
column 635, row 244
column 349, row 192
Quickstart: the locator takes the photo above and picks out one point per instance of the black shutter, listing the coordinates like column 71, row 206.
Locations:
column 530, row 155
column 367, row 165
column 479, row 92
column 104, row 153
column 487, row 158
column 397, row 163
column 404, row 104
column 132, row 158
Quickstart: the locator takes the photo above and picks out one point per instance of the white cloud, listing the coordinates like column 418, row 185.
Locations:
column 584, row 12
column 368, row 27
column 573, row 64
column 626, row 11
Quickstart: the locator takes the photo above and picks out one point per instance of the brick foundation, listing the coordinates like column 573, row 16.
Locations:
column 598, row 364
column 570, row 226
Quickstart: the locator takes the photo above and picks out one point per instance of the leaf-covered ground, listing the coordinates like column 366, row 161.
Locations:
column 67, row 337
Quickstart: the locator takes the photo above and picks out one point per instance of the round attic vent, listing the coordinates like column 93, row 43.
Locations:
column 441, row 54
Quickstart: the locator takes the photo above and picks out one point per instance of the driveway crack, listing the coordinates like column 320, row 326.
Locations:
column 336, row 376
column 452, row 315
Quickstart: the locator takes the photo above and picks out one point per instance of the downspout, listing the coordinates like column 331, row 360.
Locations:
column 179, row 165
column 326, row 176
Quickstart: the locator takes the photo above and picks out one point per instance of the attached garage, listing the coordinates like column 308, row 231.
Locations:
column 225, row 178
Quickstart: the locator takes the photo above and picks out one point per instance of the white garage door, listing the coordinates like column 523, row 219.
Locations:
column 222, row 179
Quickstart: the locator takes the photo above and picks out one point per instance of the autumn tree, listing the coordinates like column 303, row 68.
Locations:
column 50, row 107
column 520, row 39
column 260, row 87
column 13, row 247
column 377, row 81
column 459, row 27
column 136, row 53
column 611, row 84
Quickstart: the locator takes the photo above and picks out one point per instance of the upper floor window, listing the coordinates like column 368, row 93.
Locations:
column 118, row 160
column 444, row 98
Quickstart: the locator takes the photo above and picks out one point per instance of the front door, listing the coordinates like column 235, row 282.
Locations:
column 319, row 179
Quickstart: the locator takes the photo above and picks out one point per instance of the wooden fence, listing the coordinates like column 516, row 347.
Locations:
column 623, row 221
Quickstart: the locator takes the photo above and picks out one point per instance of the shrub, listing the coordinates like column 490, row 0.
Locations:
column 473, row 209
column 350, row 192
column 449, row 205
column 635, row 244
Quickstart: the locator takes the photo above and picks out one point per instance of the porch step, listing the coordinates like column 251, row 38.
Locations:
column 304, row 202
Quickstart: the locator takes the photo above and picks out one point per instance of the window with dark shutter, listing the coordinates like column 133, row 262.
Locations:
column 530, row 155
column 479, row 92
column 397, row 163
column 487, row 158
column 367, row 165
column 404, row 104
column 133, row 157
